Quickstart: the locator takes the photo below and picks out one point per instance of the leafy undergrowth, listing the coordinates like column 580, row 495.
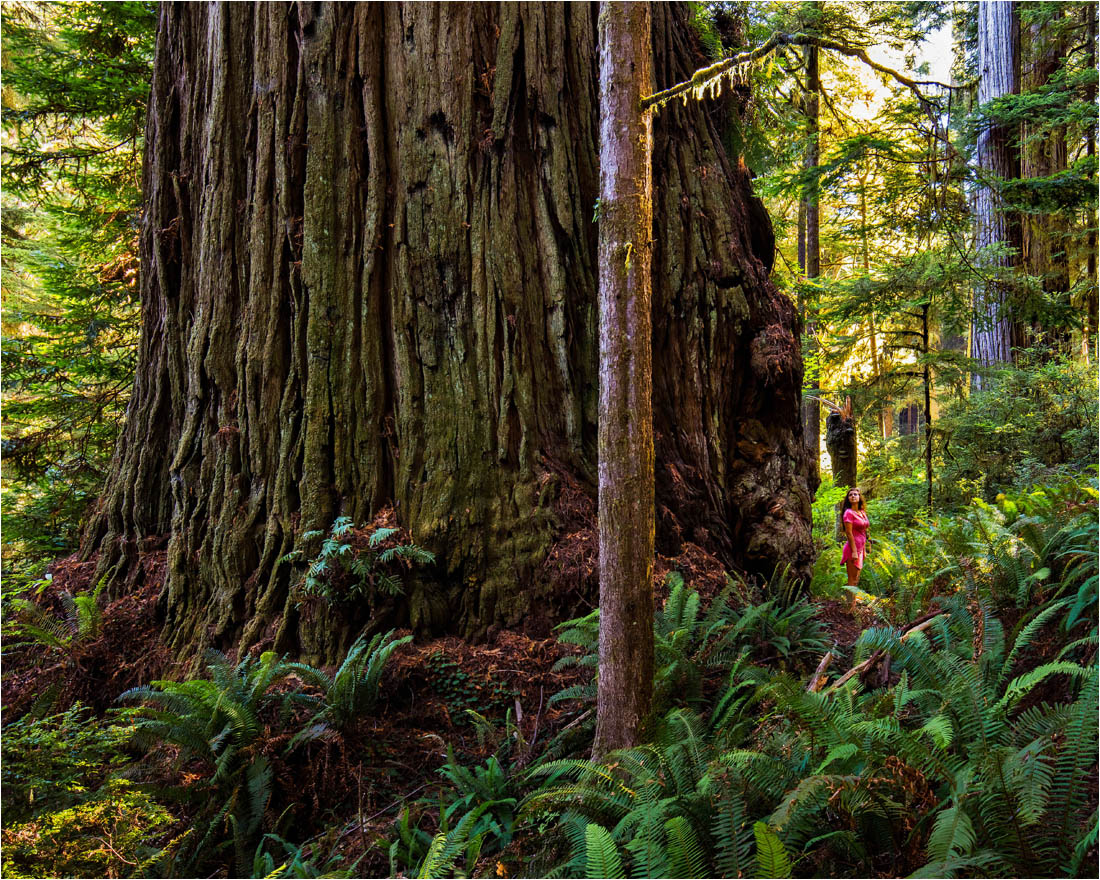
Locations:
column 65, row 645
column 953, row 734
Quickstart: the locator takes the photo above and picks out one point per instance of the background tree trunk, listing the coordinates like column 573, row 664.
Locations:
column 810, row 250
column 1091, row 323
column 992, row 335
column 626, row 378
column 1043, row 237
column 369, row 278
column 840, row 440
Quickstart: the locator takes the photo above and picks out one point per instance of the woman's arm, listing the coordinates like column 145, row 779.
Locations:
column 848, row 532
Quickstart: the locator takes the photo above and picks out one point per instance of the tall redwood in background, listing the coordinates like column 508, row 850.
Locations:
column 370, row 278
column 992, row 333
column 626, row 377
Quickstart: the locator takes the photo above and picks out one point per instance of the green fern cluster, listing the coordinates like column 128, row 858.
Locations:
column 222, row 721
column 1009, row 776
column 445, row 849
column 219, row 721
column 279, row 858
column 366, row 569
column 28, row 624
column 477, row 811
column 666, row 809
column 490, row 789
column 352, row 691
column 692, row 643
column 956, row 769
column 1018, row 553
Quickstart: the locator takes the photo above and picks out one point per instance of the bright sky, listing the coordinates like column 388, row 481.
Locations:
column 936, row 51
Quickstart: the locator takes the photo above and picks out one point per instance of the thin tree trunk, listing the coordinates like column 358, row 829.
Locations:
column 885, row 414
column 811, row 252
column 992, row 332
column 626, row 414
column 1092, row 301
column 369, row 279
column 926, row 378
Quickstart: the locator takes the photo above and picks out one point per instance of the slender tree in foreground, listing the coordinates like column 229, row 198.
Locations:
column 626, row 413
column 809, row 244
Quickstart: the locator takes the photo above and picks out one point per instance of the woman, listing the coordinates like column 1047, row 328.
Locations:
column 854, row 516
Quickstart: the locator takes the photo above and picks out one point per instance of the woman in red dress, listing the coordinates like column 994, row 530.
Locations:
column 856, row 523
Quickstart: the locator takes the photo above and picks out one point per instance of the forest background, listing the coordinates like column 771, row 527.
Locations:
column 904, row 246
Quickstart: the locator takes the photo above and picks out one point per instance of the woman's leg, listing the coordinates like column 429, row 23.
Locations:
column 853, row 573
column 853, row 581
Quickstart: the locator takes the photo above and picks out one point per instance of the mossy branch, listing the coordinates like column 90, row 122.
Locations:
column 710, row 77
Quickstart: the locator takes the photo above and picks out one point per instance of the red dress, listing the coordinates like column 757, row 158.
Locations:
column 853, row 550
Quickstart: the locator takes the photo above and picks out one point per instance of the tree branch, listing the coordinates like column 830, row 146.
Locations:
column 708, row 77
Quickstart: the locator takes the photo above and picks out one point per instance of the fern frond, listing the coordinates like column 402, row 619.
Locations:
column 380, row 535
column 686, row 856
column 733, row 840
column 771, row 857
column 601, row 854
column 1019, row 687
column 952, row 835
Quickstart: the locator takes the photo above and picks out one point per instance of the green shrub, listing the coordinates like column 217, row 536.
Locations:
column 278, row 858
column 27, row 623
column 691, row 642
column 490, row 790
column 1036, row 422
column 117, row 832
column 50, row 764
column 665, row 809
column 352, row 691
column 224, row 722
column 220, row 722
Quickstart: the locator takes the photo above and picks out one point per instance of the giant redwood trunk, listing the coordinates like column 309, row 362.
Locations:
column 369, row 279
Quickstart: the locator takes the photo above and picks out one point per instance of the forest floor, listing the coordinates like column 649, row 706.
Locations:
column 441, row 695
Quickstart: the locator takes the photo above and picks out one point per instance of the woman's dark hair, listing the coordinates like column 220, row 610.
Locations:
column 848, row 504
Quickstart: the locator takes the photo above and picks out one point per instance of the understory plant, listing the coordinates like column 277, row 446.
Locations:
column 954, row 769
column 225, row 721
column 66, row 810
column 29, row 624
column 692, row 642
column 367, row 570
column 967, row 751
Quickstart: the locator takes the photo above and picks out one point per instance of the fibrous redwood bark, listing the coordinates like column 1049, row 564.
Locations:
column 840, row 440
column 369, row 278
column 626, row 499
column 1044, row 236
column 992, row 334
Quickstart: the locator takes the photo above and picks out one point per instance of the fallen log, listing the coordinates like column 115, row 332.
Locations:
column 919, row 625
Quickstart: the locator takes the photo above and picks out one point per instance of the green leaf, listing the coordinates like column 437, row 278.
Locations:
column 600, row 853
column 771, row 857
